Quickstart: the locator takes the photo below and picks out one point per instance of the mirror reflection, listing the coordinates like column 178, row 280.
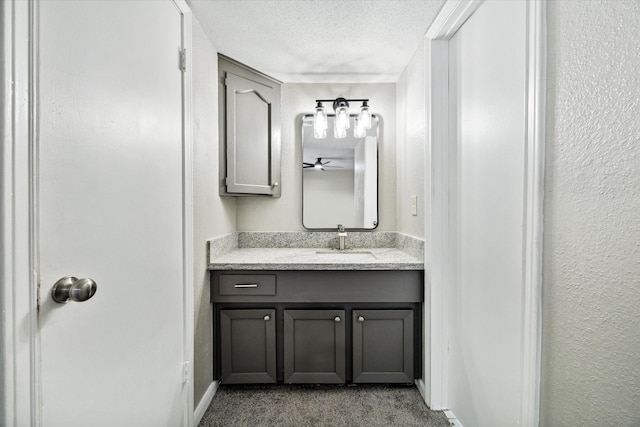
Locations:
column 339, row 178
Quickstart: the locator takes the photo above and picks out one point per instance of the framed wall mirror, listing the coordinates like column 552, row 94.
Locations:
column 339, row 178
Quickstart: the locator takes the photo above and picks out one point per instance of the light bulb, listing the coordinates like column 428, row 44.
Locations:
column 365, row 115
column 359, row 130
column 341, row 123
column 320, row 122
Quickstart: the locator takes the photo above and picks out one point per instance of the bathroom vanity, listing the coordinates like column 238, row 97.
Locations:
column 293, row 311
column 317, row 316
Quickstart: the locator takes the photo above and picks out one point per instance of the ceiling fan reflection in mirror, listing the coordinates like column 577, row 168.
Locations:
column 319, row 164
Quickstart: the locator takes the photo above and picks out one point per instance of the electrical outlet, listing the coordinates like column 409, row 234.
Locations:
column 414, row 205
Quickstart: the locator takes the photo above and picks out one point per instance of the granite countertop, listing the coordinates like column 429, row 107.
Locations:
column 315, row 259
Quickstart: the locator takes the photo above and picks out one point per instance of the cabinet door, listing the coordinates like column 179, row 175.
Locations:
column 251, row 137
column 248, row 346
column 314, row 346
column 383, row 346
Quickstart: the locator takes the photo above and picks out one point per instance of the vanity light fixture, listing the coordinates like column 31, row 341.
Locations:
column 360, row 129
column 320, row 122
column 365, row 116
column 341, row 122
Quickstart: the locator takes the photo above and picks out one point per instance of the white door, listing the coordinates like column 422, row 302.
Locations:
column 487, row 74
column 110, row 209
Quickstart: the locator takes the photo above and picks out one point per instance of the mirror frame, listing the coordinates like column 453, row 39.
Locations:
column 378, row 122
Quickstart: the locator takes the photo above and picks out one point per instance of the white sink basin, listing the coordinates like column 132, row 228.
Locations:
column 346, row 256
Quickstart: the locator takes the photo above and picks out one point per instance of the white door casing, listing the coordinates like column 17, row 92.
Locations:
column 103, row 138
column 18, row 287
column 453, row 306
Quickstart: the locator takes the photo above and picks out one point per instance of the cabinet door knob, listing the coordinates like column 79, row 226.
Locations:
column 360, row 319
column 337, row 319
column 267, row 318
column 275, row 184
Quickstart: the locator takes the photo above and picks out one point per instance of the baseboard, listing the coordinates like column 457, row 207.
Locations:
column 423, row 391
column 452, row 419
column 205, row 402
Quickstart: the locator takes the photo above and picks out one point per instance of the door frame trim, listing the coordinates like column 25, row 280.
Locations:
column 18, row 295
column 19, row 362
column 438, row 159
column 188, row 278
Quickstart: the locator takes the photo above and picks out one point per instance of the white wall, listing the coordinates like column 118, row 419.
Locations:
column 591, row 289
column 285, row 213
column 410, row 128
column 213, row 215
column 413, row 173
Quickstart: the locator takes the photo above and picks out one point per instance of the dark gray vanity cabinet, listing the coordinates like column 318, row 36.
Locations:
column 314, row 346
column 383, row 346
column 248, row 346
column 331, row 326
column 249, row 117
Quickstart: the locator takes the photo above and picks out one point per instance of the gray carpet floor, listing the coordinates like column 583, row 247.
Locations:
column 320, row 405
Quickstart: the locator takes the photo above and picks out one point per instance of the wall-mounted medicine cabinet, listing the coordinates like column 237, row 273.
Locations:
column 249, row 114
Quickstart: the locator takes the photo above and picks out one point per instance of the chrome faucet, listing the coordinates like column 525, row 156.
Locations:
column 342, row 235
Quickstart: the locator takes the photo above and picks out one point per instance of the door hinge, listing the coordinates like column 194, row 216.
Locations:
column 38, row 297
column 226, row 181
column 186, row 372
column 183, row 60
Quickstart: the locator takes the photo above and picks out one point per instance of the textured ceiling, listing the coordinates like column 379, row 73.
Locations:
column 327, row 41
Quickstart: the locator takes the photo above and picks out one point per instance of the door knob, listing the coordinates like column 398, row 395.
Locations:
column 73, row 289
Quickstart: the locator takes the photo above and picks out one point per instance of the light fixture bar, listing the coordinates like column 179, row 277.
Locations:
column 342, row 99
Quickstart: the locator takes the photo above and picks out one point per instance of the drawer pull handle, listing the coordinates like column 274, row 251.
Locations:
column 267, row 318
column 360, row 319
column 337, row 319
column 246, row 285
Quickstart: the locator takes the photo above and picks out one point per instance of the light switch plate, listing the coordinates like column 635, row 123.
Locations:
column 414, row 205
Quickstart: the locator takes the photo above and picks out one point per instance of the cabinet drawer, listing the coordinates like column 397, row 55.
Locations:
column 247, row 284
